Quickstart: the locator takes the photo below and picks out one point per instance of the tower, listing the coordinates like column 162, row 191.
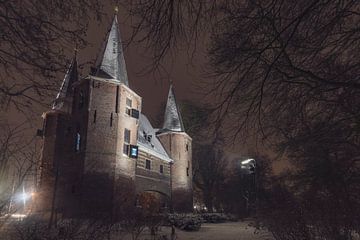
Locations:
column 178, row 145
column 56, row 166
column 105, row 115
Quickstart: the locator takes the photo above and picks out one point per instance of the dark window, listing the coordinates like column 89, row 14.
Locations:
column 187, row 147
column 114, row 47
column 161, row 169
column 187, row 169
column 127, row 136
column 95, row 116
column 81, row 99
column 135, row 113
column 126, row 147
column 128, row 106
column 147, row 164
column 111, row 119
column 117, row 100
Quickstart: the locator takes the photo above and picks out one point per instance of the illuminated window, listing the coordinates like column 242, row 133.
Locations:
column 147, row 164
column 77, row 142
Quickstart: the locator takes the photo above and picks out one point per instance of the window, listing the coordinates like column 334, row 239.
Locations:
column 81, row 99
column 77, row 142
column 147, row 164
column 134, row 151
column 187, row 169
column 126, row 147
column 114, row 47
column 127, row 136
column 128, row 106
column 187, row 147
column 94, row 117
column 117, row 100
column 161, row 169
column 111, row 119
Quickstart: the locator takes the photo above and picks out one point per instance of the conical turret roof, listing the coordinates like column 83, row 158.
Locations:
column 65, row 90
column 111, row 62
column 172, row 118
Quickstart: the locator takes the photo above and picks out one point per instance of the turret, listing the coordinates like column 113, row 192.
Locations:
column 56, row 165
column 63, row 100
column 178, row 145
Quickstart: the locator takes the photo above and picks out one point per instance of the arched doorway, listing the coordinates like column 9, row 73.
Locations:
column 153, row 201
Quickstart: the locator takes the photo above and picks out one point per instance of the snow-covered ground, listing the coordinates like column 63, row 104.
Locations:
column 220, row 231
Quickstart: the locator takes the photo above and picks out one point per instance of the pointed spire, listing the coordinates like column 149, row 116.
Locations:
column 111, row 61
column 172, row 119
column 65, row 90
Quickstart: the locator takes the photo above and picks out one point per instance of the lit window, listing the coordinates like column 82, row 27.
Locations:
column 77, row 142
column 161, row 169
column 147, row 164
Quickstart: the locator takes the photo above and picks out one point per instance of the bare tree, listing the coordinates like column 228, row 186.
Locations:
column 18, row 162
column 36, row 38
column 288, row 71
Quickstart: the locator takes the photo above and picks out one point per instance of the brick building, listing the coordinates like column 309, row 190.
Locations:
column 100, row 152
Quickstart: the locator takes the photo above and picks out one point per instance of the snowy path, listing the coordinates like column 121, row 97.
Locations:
column 221, row 231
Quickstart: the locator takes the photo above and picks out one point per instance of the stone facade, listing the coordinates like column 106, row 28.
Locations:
column 100, row 152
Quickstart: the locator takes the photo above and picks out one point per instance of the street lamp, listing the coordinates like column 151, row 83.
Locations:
column 248, row 167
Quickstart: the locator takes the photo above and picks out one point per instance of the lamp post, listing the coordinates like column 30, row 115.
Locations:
column 248, row 167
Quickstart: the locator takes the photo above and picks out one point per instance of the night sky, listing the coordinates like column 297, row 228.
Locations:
column 187, row 70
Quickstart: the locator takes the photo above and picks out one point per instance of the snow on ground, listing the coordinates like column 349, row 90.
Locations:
column 220, row 231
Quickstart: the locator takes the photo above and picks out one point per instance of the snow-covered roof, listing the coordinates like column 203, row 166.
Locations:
column 65, row 89
column 172, row 118
column 148, row 141
column 111, row 60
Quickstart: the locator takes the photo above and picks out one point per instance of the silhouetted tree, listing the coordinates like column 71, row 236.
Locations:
column 287, row 71
column 36, row 37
